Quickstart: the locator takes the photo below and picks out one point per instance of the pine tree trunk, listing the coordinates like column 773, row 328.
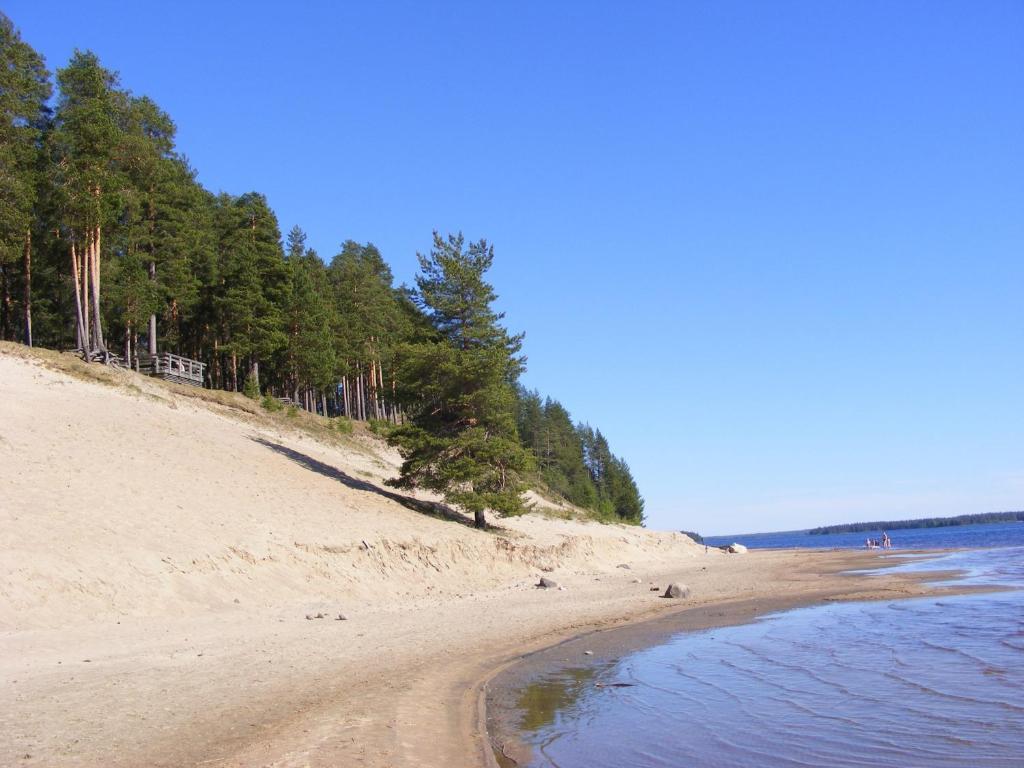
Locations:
column 152, row 318
column 5, row 304
column 234, row 372
column 357, row 404
column 361, row 388
column 97, row 322
column 479, row 520
column 395, row 409
column 215, row 374
column 80, row 279
column 374, row 407
column 86, row 324
column 255, row 373
column 28, row 288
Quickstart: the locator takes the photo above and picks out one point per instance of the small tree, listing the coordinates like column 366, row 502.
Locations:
column 461, row 438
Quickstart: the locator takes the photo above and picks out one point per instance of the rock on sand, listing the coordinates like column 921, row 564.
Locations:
column 677, row 590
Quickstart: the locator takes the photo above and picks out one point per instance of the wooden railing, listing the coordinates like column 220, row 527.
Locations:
column 183, row 370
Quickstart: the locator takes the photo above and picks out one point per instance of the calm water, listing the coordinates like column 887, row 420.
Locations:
column 923, row 682
column 974, row 536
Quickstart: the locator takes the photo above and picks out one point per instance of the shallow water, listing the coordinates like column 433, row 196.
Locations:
column 922, row 682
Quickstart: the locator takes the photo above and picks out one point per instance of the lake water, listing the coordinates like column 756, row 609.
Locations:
column 972, row 536
column 921, row 682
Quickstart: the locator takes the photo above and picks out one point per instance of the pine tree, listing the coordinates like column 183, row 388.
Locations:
column 618, row 495
column 24, row 91
column 156, row 215
column 462, row 438
column 87, row 139
column 453, row 294
column 254, row 281
column 371, row 321
column 309, row 320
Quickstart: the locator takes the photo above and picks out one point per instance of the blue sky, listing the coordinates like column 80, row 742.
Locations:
column 775, row 251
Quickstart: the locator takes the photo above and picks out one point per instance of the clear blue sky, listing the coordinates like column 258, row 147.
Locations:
column 775, row 251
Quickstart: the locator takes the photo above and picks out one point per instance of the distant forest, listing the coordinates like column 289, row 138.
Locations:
column 109, row 245
column 924, row 522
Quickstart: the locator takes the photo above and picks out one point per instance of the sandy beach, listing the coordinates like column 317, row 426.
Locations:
column 161, row 550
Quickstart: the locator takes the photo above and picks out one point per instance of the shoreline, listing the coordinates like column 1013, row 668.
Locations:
column 589, row 652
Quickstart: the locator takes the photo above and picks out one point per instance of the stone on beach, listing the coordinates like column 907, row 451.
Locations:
column 736, row 549
column 546, row 583
column 677, row 590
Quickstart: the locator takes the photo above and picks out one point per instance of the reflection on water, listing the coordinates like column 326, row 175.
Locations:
column 541, row 701
column 924, row 682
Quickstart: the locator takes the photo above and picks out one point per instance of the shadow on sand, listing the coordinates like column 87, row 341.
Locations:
column 430, row 508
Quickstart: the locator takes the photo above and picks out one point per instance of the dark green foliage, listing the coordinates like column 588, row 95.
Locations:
column 131, row 294
column 924, row 522
column 24, row 91
column 576, row 462
column 547, row 430
column 618, row 494
column 272, row 404
column 461, row 439
column 693, row 535
column 251, row 389
column 310, row 317
column 254, row 281
column 454, row 296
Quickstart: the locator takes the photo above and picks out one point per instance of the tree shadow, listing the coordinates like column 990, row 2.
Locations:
column 429, row 508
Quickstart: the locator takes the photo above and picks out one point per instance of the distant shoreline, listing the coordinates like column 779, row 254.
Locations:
column 986, row 518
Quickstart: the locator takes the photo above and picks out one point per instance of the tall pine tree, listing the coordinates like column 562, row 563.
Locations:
column 24, row 91
column 461, row 439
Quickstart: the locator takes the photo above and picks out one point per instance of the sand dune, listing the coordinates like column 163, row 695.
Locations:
column 139, row 502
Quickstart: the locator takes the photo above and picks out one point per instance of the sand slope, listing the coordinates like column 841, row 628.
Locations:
column 139, row 502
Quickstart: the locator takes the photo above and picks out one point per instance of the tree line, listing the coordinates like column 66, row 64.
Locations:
column 923, row 522
column 109, row 245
